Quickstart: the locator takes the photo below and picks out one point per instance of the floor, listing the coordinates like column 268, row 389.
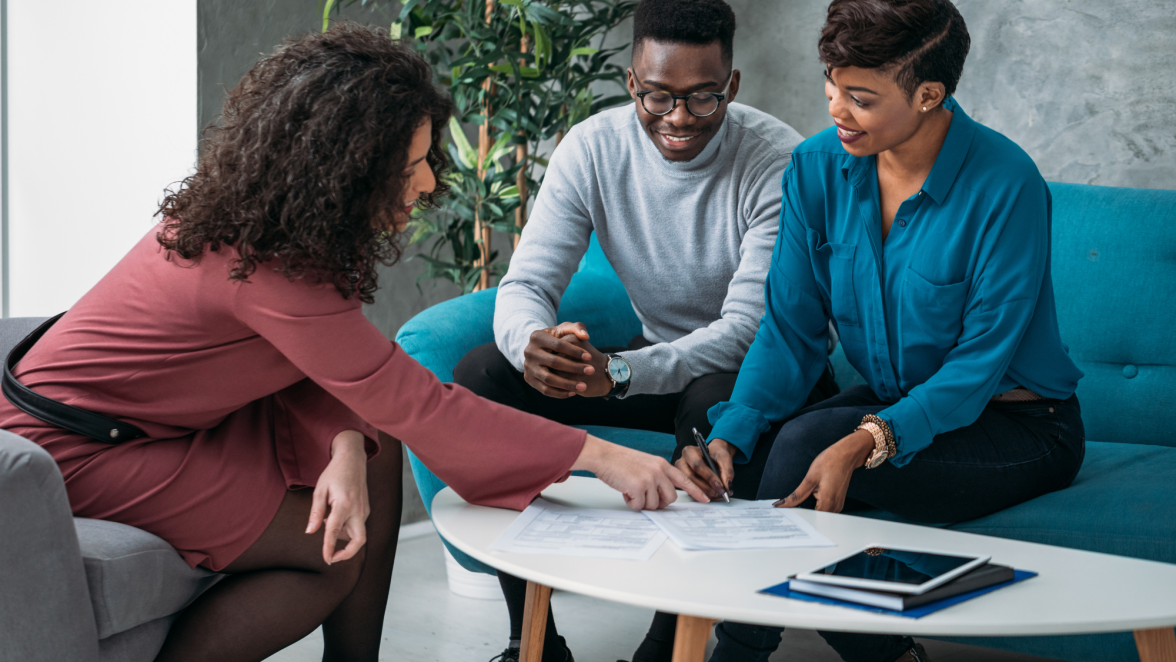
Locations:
column 427, row 623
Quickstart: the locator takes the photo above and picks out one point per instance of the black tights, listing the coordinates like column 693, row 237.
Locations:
column 280, row 589
column 515, row 591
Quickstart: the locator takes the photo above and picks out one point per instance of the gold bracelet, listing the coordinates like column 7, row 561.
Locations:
column 891, row 446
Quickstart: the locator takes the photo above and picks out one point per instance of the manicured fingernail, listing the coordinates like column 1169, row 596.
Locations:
column 779, row 503
column 309, row 528
column 718, row 486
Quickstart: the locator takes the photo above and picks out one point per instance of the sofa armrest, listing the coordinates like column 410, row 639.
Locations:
column 45, row 612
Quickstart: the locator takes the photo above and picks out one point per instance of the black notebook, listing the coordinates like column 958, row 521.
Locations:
column 982, row 577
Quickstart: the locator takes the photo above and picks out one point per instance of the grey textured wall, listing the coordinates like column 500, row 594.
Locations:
column 232, row 36
column 1086, row 87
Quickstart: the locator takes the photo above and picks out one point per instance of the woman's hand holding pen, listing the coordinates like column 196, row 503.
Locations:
column 694, row 466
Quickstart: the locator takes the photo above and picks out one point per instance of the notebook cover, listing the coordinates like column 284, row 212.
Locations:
column 781, row 590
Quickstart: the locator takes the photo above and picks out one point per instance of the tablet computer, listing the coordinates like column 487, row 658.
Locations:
column 906, row 570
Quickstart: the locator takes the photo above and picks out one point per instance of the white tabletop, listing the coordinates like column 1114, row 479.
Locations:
column 1075, row 592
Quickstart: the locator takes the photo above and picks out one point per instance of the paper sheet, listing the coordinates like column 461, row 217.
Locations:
column 549, row 528
column 738, row 525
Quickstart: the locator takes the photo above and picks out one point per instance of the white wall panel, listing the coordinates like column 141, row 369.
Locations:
column 101, row 118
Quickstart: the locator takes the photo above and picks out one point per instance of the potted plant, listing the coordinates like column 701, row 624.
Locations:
column 523, row 72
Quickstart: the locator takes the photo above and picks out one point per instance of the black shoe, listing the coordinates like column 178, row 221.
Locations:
column 511, row 654
column 916, row 653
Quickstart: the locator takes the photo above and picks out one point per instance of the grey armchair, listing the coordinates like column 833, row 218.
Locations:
column 74, row 589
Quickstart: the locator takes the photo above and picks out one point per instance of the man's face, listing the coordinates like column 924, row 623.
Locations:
column 680, row 68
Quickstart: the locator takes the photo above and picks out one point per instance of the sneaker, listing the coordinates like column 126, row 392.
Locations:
column 511, row 654
column 915, row 653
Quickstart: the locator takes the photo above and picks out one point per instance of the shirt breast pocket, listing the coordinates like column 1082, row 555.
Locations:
column 932, row 315
column 841, row 285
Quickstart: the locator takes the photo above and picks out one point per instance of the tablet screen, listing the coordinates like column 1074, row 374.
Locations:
column 894, row 565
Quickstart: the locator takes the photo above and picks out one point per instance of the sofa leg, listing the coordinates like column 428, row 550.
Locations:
column 1156, row 645
column 534, row 622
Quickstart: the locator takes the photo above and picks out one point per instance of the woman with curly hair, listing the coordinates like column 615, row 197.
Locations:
column 232, row 336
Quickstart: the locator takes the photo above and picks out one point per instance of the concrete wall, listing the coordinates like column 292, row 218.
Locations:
column 1086, row 87
column 232, row 35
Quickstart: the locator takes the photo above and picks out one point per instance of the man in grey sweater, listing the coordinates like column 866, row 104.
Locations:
column 683, row 192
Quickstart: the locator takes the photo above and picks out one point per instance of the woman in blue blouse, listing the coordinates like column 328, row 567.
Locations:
column 925, row 236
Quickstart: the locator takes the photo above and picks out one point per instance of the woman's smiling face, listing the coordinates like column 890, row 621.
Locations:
column 418, row 174
column 872, row 113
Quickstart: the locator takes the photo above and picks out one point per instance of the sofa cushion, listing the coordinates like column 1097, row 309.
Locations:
column 134, row 576
column 1114, row 271
column 1122, row 502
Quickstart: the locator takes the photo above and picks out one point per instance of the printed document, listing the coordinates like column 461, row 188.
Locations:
column 549, row 528
column 737, row 525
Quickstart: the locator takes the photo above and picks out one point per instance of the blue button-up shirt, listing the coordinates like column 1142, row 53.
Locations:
column 955, row 306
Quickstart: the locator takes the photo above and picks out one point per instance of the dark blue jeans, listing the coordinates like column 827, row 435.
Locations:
column 1015, row 451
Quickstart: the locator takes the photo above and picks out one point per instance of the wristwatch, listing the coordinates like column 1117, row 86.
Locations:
column 620, row 373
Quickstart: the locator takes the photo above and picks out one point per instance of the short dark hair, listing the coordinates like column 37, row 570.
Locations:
column 685, row 21
column 922, row 40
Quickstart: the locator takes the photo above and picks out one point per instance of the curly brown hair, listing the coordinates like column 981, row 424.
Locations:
column 306, row 167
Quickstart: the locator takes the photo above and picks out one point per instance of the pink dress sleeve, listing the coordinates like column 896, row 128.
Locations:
column 490, row 454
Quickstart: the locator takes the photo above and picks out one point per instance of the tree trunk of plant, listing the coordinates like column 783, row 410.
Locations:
column 521, row 181
column 482, row 231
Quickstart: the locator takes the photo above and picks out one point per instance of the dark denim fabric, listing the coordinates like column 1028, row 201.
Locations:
column 1015, row 451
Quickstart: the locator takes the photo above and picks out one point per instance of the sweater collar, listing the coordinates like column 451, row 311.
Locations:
column 700, row 164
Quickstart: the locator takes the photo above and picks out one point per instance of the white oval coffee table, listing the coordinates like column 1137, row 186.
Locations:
column 1076, row 592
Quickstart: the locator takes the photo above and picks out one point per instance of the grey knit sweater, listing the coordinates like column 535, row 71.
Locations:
column 691, row 241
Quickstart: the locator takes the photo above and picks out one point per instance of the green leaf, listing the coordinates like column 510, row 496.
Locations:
column 584, row 50
column 502, row 68
column 407, row 8
column 394, row 30
column 327, row 14
column 501, row 147
column 424, row 31
column 509, row 192
column 469, row 157
column 512, row 3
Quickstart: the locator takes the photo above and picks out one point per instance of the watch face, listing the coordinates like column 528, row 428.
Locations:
column 618, row 369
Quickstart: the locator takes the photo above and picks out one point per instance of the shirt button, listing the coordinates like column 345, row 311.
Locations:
column 902, row 222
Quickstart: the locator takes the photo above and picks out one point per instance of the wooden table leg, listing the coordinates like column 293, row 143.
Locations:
column 535, row 622
column 1156, row 645
column 691, row 637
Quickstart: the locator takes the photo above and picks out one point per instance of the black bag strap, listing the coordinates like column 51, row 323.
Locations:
column 67, row 417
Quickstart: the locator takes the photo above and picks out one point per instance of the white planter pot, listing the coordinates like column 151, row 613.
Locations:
column 470, row 584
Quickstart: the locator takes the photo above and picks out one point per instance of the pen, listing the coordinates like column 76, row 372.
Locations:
column 709, row 462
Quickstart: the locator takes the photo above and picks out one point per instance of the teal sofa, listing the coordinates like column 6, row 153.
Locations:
column 1114, row 270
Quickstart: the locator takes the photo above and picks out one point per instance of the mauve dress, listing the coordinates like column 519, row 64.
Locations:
column 240, row 388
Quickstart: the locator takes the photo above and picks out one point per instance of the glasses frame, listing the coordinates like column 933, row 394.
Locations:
column 721, row 96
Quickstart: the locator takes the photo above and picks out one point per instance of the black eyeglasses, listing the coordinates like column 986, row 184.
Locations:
column 698, row 104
